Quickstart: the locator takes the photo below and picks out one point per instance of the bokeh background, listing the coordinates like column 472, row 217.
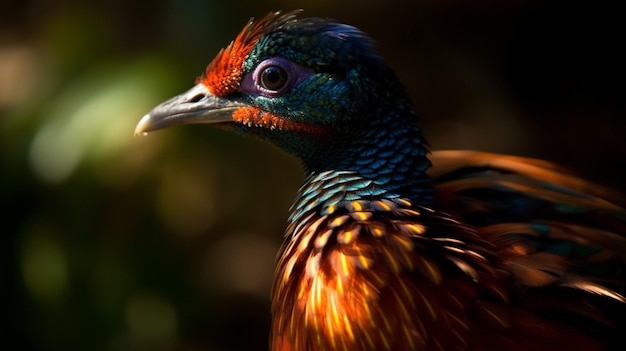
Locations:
column 112, row 242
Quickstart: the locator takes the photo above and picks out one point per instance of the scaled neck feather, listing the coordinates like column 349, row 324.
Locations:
column 384, row 159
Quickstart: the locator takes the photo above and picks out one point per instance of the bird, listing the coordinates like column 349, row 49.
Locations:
column 393, row 246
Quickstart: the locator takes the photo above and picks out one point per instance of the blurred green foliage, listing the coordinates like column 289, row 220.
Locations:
column 111, row 242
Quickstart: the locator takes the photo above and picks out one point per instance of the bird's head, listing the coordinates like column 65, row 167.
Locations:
column 308, row 85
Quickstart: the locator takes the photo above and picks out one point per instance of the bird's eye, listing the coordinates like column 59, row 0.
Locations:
column 273, row 78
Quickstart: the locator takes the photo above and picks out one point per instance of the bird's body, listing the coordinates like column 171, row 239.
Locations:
column 383, row 252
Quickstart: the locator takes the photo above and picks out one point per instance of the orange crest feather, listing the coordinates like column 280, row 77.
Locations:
column 223, row 74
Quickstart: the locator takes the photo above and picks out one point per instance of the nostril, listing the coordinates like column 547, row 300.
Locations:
column 197, row 98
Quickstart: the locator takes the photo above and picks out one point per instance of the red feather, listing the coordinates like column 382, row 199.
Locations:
column 223, row 74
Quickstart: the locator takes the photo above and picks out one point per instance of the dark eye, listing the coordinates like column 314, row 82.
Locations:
column 273, row 78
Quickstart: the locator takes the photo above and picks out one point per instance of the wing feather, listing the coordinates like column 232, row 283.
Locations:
column 561, row 239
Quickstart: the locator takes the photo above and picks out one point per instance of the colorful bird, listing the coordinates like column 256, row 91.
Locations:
column 383, row 251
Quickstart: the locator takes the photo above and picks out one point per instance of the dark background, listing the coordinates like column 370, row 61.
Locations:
column 111, row 242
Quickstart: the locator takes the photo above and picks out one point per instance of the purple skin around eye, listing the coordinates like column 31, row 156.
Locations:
column 295, row 74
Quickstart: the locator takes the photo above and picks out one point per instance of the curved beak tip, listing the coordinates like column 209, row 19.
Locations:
column 142, row 126
column 194, row 106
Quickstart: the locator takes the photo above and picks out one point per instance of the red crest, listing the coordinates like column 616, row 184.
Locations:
column 223, row 74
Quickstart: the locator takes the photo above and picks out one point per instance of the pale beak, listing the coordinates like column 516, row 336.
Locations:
column 194, row 106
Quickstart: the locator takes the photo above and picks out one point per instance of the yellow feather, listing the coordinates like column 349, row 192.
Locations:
column 379, row 281
column 362, row 216
column 330, row 327
column 409, row 338
column 369, row 315
column 346, row 237
column 382, row 205
column 413, row 228
column 402, row 306
column 385, row 341
column 404, row 202
column 428, row 305
column 338, row 221
column 377, row 231
column 344, row 265
column 393, row 262
column 357, row 205
column 386, row 323
column 404, row 242
column 364, row 262
column 370, row 342
column 433, row 273
column 339, row 286
column 348, row 327
column 408, row 296
column 322, row 239
column 289, row 268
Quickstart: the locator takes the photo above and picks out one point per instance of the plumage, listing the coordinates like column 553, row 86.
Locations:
column 384, row 252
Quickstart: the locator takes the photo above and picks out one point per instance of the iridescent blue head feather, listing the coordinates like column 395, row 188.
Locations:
column 318, row 89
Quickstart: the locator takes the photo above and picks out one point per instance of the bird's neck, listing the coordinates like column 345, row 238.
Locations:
column 385, row 159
